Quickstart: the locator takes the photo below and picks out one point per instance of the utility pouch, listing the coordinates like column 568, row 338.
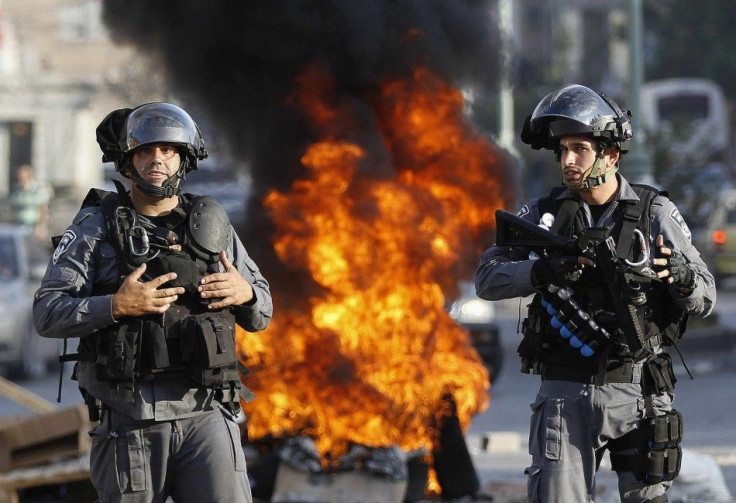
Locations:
column 661, row 374
column 664, row 456
column 117, row 352
column 208, row 342
column 659, row 455
column 533, row 327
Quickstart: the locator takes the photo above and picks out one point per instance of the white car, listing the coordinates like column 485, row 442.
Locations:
column 23, row 353
column 478, row 318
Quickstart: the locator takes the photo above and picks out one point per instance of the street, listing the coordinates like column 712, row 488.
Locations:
column 706, row 402
column 497, row 439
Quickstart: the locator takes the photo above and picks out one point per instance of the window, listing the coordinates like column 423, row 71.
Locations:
column 683, row 107
column 82, row 21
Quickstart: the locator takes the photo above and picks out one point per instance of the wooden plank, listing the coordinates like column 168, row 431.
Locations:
column 44, row 438
column 24, row 397
column 61, row 472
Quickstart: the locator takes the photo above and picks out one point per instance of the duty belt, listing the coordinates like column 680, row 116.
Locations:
column 621, row 373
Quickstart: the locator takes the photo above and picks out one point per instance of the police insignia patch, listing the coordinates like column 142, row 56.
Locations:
column 66, row 240
column 677, row 218
column 523, row 211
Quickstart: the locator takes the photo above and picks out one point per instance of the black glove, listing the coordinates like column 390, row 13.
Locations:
column 683, row 276
column 557, row 268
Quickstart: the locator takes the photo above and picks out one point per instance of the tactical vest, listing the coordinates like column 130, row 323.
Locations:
column 188, row 341
column 662, row 321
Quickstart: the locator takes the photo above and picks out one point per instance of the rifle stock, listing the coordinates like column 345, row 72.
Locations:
column 515, row 231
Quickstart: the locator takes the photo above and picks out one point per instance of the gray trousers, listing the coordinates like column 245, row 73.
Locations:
column 570, row 426
column 191, row 460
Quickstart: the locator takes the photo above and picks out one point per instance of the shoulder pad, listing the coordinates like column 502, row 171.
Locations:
column 208, row 229
column 94, row 197
column 107, row 200
column 642, row 186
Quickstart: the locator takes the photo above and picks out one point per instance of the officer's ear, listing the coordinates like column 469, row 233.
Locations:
column 614, row 153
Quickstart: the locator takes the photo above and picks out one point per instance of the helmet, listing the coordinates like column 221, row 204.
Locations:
column 164, row 123
column 575, row 110
column 124, row 130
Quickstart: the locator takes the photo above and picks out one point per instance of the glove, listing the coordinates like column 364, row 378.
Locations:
column 683, row 276
column 557, row 268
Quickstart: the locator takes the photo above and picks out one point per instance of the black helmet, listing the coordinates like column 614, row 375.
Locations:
column 164, row 123
column 124, row 130
column 574, row 110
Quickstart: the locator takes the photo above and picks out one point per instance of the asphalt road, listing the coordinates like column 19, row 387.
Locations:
column 497, row 439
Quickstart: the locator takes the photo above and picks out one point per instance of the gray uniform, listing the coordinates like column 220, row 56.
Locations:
column 572, row 422
column 173, row 437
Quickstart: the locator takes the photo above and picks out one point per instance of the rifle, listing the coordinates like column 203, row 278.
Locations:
column 620, row 276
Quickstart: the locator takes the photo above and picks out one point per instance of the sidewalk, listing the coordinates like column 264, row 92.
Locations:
column 501, row 457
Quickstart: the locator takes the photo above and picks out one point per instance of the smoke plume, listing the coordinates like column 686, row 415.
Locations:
column 238, row 62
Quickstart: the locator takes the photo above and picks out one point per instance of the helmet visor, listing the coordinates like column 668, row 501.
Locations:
column 160, row 123
column 575, row 102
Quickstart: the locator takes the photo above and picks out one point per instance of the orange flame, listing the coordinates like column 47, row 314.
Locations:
column 367, row 357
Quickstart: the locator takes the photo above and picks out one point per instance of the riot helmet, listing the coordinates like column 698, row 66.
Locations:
column 576, row 110
column 149, row 124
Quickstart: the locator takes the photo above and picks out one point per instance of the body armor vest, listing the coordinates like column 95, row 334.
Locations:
column 188, row 340
column 662, row 321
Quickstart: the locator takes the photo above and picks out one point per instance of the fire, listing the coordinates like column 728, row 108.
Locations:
column 366, row 353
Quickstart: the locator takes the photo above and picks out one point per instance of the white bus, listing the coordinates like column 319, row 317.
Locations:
column 691, row 113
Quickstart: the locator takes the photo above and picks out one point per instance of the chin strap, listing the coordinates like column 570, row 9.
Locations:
column 591, row 179
column 170, row 188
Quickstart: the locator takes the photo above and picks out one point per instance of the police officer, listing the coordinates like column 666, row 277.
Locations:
column 153, row 281
column 606, row 382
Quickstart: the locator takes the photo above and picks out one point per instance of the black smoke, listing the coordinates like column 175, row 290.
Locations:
column 237, row 61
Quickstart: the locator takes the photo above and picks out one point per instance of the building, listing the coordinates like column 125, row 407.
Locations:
column 60, row 74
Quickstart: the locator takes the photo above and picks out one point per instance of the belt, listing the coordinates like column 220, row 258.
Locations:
column 622, row 373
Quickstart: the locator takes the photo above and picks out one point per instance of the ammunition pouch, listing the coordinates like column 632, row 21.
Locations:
column 202, row 346
column 535, row 343
column 659, row 376
column 117, row 351
column 652, row 452
column 207, row 345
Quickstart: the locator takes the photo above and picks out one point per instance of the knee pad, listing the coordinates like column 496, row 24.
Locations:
column 658, row 455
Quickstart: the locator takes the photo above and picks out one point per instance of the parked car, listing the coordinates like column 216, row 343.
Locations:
column 478, row 317
column 717, row 242
column 23, row 353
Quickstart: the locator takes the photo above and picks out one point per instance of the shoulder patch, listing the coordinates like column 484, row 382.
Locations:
column 523, row 211
column 677, row 218
column 66, row 240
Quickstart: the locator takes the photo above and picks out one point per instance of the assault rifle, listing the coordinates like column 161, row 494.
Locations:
column 596, row 243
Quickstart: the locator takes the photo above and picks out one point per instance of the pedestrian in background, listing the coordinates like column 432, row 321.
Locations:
column 29, row 202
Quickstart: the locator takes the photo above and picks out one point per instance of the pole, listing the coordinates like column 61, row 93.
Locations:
column 506, row 134
column 638, row 164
